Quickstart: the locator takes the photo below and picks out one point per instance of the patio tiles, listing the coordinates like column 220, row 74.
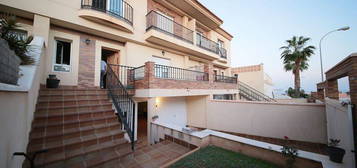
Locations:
column 149, row 156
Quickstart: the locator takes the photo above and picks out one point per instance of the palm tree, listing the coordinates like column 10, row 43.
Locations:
column 295, row 57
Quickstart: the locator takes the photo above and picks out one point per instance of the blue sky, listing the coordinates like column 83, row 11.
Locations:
column 260, row 28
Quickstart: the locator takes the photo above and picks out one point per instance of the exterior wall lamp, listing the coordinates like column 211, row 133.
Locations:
column 87, row 41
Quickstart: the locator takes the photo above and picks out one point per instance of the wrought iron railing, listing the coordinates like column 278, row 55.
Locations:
column 155, row 20
column 252, row 94
column 122, row 102
column 222, row 52
column 125, row 74
column 206, row 43
column 225, row 79
column 139, row 72
column 168, row 72
column 117, row 8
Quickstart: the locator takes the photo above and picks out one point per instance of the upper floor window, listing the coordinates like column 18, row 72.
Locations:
column 62, row 55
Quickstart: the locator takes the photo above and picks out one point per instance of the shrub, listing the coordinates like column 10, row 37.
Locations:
column 290, row 153
column 20, row 45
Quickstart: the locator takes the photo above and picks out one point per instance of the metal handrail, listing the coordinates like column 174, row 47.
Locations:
column 123, row 103
column 251, row 92
column 169, row 72
column 117, row 8
column 206, row 43
column 225, row 79
column 155, row 20
column 125, row 74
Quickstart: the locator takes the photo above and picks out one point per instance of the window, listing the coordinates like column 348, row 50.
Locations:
column 62, row 56
column 21, row 34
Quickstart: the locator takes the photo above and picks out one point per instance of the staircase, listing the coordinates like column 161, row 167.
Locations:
column 77, row 127
column 251, row 94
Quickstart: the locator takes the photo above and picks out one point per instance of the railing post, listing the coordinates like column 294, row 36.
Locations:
column 149, row 73
column 208, row 68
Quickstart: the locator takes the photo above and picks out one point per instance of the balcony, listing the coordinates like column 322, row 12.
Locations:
column 166, row 32
column 114, row 13
column 206, row 44
column 222, row 53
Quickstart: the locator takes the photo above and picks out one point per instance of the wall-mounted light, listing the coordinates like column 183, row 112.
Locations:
column 163, row 52
column 157, row 102
column 87, row 41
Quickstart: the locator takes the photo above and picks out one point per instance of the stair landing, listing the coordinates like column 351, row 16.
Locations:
column 78, row 127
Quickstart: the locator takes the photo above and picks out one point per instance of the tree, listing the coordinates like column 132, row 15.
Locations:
column 295, row 57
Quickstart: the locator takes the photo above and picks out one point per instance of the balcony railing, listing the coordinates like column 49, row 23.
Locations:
column 222, row 53
column 168, row 72
column 166, row 25
column 206, row 43
column 225, row 79
column 117, row 8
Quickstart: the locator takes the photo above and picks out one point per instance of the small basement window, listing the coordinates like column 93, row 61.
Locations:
column 63, row 56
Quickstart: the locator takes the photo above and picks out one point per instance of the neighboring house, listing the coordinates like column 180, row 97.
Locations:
column 162, row 52
column 255, row 77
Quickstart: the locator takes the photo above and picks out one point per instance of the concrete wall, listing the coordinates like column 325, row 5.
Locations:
column 170, row 110
column 339, row 126
column 303, row 122
column 17, row 108
column 196, row 111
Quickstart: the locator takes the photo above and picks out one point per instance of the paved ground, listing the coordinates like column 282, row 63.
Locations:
column 150, row 156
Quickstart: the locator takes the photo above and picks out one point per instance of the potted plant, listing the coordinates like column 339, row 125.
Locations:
column 52, row 81
column 335, row 153
column 290, row 153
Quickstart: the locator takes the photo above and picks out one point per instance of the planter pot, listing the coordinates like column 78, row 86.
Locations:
column 52, row 81
column 336, row 154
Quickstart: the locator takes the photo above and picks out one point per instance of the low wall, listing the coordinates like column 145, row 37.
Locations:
column 18, row 103
column 302, row 122
column 253, row 148
column 339, row 126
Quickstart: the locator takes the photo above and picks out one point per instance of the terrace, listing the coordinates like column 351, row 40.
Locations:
column 162, row 77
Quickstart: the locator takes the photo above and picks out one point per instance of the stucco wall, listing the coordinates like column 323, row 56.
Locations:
column 339, row 126
column 303, row 122
column 17, row 109
column 254, row 79
column 196, row 111
column 171, row 110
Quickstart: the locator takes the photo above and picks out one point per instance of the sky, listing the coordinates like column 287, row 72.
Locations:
column 261, row 27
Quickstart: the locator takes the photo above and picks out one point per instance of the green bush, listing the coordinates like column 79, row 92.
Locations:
column 20, row 45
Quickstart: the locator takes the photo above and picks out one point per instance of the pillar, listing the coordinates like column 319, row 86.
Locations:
column 332, row 89
column 41, row 27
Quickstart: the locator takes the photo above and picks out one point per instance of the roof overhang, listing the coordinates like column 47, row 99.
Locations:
column 196, row 10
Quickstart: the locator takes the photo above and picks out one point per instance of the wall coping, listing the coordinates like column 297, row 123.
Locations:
column 27, row 72
column 270, row 103
column 326, row 163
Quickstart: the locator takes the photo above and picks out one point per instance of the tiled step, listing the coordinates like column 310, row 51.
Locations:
column 77, row 113
column 61, row 103
column 42, row 134
column 57, row 125
column 73, row 106
column 91, row 154
column 78, row 127
column 59, row 143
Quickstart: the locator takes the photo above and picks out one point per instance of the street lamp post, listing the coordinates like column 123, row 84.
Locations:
column 340, row 29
